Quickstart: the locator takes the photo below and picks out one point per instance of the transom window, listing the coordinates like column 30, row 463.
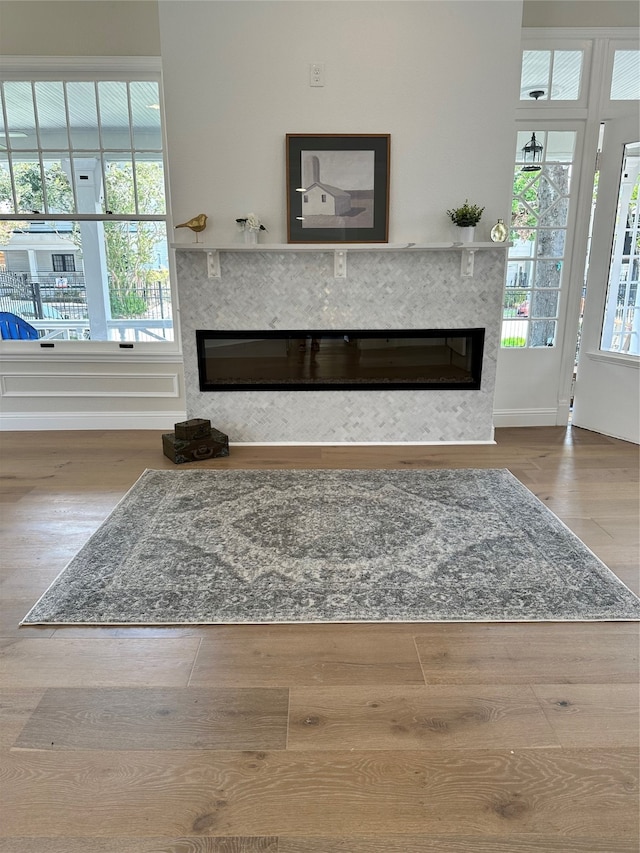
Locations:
column 625, row 79
column 82, row 191
column 556, row 74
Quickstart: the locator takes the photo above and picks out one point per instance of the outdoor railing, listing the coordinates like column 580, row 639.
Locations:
column 118, row 330
column 57, row 307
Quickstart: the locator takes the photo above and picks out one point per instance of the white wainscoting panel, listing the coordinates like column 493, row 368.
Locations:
column 37, row 421
column 89, row 385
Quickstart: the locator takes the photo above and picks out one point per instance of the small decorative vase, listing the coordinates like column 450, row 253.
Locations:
column 499, row 232
column 465, row 233
column 250, row 236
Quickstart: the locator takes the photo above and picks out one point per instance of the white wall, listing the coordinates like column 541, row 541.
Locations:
column 581, row 13
column 79, row 28
column 440, row 77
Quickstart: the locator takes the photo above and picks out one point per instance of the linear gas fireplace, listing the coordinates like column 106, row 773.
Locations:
column 346, row 359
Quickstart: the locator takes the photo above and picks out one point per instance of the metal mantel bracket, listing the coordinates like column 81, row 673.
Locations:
column 340, row 263
column 466, row 263
column 213, row 264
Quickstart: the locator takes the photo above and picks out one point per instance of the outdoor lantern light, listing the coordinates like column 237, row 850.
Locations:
column 532, row 153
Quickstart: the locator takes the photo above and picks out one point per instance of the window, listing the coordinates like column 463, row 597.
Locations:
column 539, row 221
column 621, row 326
column 555, row 73
column 563, row 81
column 625, row 80
column 82, row 192
column 324, row 197
column 63, row 263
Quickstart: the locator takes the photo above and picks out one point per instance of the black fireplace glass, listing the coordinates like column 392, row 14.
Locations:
column 350, row 359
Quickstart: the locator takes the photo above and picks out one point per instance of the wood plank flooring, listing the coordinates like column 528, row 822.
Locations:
column 400, row 738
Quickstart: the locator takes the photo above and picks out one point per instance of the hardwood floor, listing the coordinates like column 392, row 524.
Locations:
column 416, row 738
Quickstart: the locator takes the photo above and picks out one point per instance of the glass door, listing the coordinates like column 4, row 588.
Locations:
column 607, row 383
column 621, row 325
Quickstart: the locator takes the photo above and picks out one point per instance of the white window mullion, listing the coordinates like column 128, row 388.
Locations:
column 43, row 182
column 72, row 169
column 133, row 151
column 105, row 189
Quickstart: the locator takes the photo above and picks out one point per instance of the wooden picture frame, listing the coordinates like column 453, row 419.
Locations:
column 338, row 188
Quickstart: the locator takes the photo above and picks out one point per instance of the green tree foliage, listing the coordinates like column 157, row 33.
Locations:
column 29, row 188
column 525, row 195
column 30, row 195
column 131, row 246
column 512, row 298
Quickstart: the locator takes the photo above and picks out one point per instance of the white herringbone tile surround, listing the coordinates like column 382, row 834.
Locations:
column 383, row 290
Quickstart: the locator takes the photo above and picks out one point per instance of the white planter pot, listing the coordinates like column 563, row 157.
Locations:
column 465, row 234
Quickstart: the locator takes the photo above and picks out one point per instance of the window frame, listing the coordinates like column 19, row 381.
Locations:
column 545, row 125
column 584, row 115
column 560, row 44
column 613, row 107
column 64, row 261
column 83, row 69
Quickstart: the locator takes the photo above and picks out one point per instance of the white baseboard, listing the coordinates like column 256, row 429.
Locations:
column 525, row 417
column 355, row 443
column 33, row 421
column 23, row 422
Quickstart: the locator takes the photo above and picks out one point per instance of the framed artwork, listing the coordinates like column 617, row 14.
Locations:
column 338, row 188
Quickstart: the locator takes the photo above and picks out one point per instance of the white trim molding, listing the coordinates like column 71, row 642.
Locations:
column 47, row 66
column 358, row 443
column 69, row 384
column 525, row 417
column 563, row 34
column 39, row 421
column 617, row 358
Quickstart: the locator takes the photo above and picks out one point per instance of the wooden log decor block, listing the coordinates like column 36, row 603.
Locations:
column 195, row 428
column 179, row 450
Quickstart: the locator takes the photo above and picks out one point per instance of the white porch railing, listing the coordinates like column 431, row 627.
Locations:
column 131, row 331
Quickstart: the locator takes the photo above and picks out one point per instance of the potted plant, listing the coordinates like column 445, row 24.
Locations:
column 466, row 217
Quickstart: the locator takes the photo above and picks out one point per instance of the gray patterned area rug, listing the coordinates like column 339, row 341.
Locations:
column 216, row 547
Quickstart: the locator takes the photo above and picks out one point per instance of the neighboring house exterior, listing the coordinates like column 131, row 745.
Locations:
column 43, row 254
column 323, row 199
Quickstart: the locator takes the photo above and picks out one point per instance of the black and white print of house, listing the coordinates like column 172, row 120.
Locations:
column 320, row 198
column 325, row 199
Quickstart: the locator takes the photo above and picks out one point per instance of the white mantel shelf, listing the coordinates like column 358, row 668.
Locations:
column 333, row 247
column 340, row 251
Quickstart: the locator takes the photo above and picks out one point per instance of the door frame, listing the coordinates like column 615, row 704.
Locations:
column 593, row 107
column 607, row 382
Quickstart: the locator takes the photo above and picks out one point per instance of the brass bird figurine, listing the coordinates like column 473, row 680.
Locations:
column 197, row 224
